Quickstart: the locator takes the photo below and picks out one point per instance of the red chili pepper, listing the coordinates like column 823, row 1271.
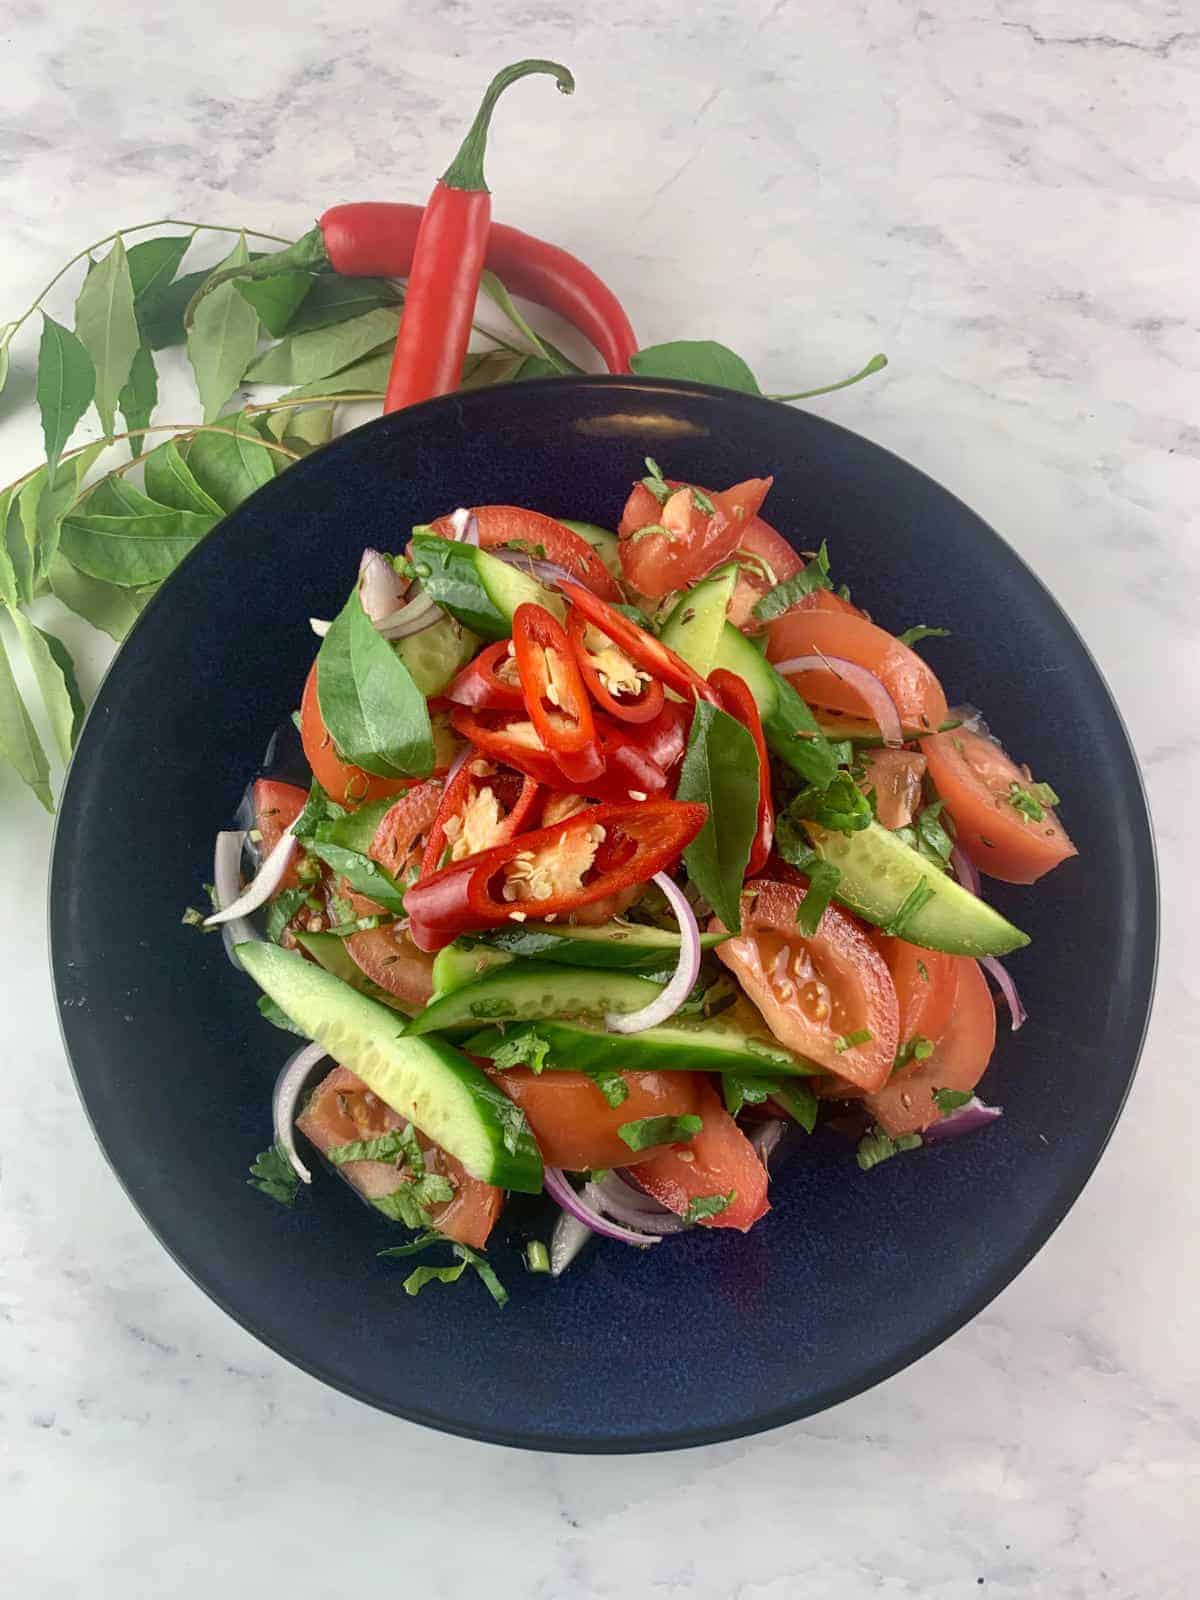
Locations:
column 509, row 525
column 480, row 685
column 644, row 707
column 643, row 649
column 632, row 843
column 517, row 795
column 555, row 697
column 737, row 700
column 448, row 257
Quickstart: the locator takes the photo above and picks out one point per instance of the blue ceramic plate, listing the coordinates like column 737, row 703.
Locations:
column 712, row 1336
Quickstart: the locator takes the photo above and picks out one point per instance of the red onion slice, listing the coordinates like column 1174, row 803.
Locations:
column 765, row 1137
column 547, row 573
column 880, row 705
column 289, row 1086
column 465, row 525
column 616, row 1199
column 577, row 1206
column 1002, row 978
column 964, row 869
column 319, row 626
column 227, row 885
column 683, row 980
column 380, row 586
column 568, row 1239
column 966, row 1119
column 268, row 878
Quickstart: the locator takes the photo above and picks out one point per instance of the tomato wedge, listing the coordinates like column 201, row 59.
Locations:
column 554, row 692
column 393, row 961
column 742, row 706
column 514, row 525
column 276, row 807
column 959, row 1061
column 344, row 1111
column 925, row 982
column 480, row 808
column 642, row 648
column 574, row 1125
column 979, row 783
column 404, row 824
column 720, row 1160
column 917, row 694
column 611, row 846
column 692, row 540
column 895, row 776
column 350, row 786
column 490, row 682
column 626, row 692
column 816, row 994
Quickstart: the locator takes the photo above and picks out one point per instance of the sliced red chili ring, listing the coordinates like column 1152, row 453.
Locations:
column 518, row 795
column 642, row 648
column 482, row 684
column 629, row 844
column 737, row 700
column 555, row 696
column 641, row 707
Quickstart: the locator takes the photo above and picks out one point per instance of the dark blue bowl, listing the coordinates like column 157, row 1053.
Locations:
column 852, row 1275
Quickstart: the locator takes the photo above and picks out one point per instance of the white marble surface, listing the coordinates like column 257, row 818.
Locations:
column 1003, row 195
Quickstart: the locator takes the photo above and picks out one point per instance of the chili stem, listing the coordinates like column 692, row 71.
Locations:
column 876, row 364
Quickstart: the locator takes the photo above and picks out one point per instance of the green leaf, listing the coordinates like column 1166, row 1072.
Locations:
column 368, row 376
column 745, row 1089
column 107, row 328
column 308, row 430
column 912, row 636
column 500, row 297
column 66, row 383
column 318, row 809
column 6, row 333
column 720, row 769
column 362, row 874
column 612, row 1084
column 272, row 1174
column 534, row 367
column 839, row 805
column 384, row 1147
column 230, row 465
column 815, row 575
column 798, row 1100
column 522, row 1048
column 132, row 550
column 484, row 368
column 304, row 357
column 707, row 1205
column 104, row 605
column 55, row 674
column 876, row 1146
column 948, row 1100
column 160, row 310
column 823, row 879
column 139, row 396
column 281, row 911
column 9, row 513
column 375, row 714
column 333, row 299
column 697, row 361
column 223, row 337
column 276, row 299
column 275, row 1014
column 154, row 262
column 171, row 482
column 19, row 743
column 32, row 545
column 647, row 1131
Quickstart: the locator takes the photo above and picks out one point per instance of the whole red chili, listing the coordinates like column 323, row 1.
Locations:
column 738, row 701
column 448, row 257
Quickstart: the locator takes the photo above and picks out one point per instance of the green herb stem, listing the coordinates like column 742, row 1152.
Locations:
column 876, row 364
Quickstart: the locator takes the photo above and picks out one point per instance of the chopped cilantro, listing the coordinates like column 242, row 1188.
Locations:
column 923, row 970
column 823, row 879
column 387, row 1147
column 876, row 1146
column 272, row 1174
column 318, row 809
column 524, row 1048
column 927, row 835
column 655, row 482
column 948, row 1100
column 918, row 1048
column 537, row 1257
column 912, row 636
column 611, row 1084
column 741, row 1089
column 283, row 908
column 403, row 567
column 708, row 1205
column 702, row 503
column 410, row 1202
column 840, row 807
column 1032, row 802
column 651, row 527
column 514, row 1125
column 278, row 1016
column 851, row 1041
column 813, row 576
column 192, row 918
column 420, row 1276
column 747, row 558
column 919, row 895
column 798, row 1100
column 647, row 1131
column 414, row 1246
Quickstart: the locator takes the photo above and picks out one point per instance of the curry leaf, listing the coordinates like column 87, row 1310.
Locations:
column 229, row 465
column 698, row 361
column 6, row 333
column 276, row 299
column 107, row 328
column 8, row 573
column 304, row 357
column 55, row 674
column 334, row 299
column 19, row 743
column 368, row 376
column 223, row 337
column 307, row 430
column 160, row 310
column 154, row 262
column 500, row 297
column 720, row 769
column 104, row 605
column 363, row 875
column 139, row 396
column 171, row 482
column 375, row 714
column 66, row 383
column 134, row 549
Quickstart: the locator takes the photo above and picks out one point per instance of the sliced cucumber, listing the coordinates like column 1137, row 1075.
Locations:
column 720, row 1044
column 425, row 1080
column 694, row 628
column 879, row 872
column 435, row 656
column 621, row 945
column 528, row 989
column 330, row 952
column 606, row 545
column 476, row 588
column 462, row 963
column 789, row 726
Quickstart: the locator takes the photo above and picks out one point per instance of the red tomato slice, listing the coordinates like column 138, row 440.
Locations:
column 276, row 807
column 925, row 982
column 719, row 1160
column 501, row 525
column 975, row 778
column 694, row 542
column 814, row 993
column 349, row 786
column 958, row 1062
column 343, row 1110
column 574, row 1125
column 895, row 776
column 917, row 693
column 393, row 961
column 404, row 825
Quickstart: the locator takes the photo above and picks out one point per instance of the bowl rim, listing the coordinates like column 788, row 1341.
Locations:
column 1075, row 1178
